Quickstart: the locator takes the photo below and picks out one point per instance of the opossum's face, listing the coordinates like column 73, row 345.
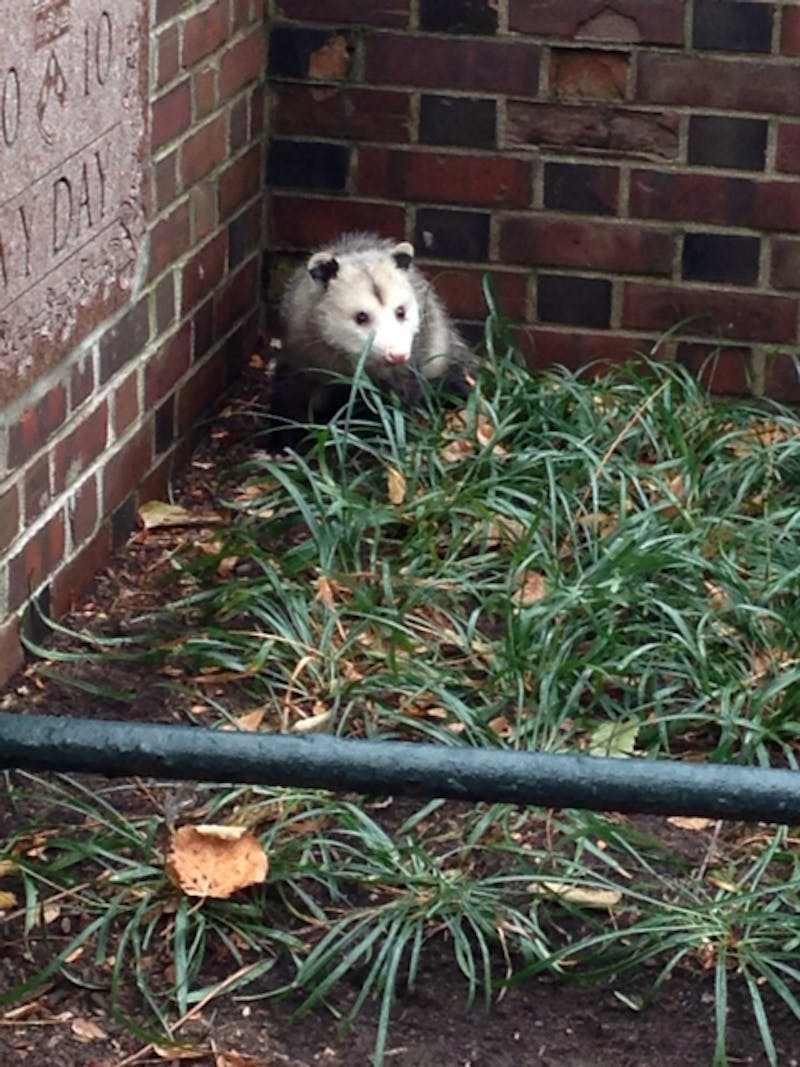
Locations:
column 367, row 298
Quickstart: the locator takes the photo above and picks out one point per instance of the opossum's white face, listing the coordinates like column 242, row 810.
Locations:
column 368, row 296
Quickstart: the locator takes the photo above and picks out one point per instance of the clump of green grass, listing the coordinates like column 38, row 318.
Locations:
column 604, row 564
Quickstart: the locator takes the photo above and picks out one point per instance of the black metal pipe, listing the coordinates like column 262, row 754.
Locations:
column 111, row 748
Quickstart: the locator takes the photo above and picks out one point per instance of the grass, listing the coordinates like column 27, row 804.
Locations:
column 604, row 564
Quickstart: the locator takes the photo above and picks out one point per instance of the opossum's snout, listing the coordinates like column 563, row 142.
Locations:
column 396, row 356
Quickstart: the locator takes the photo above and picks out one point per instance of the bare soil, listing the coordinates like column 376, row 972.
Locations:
column 542, row 1022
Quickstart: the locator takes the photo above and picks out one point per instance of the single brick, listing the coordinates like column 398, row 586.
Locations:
column 242, row 63
column 731, row 315
column 787, row 154
column 171, row 114
column 203, row 330
column 308, row 165
column 203, row 150
column 723, row 370
column 581, row 187
column 461, row 289
column 443, row 234
column 586, row 245
column 395, row 13
column 348, row 113
column 36, row 560
column 203, row 272
column 573, row 301
column 12, row 656
column 168, row 55
column 124, row 341
column 165, row 181
column 164, row 425
column 36, row 425
column 783, row 382
column 81, row 384
column 74, row 579
column 447, row 178
column 579, row 350
column 126, row 403
column 125, row 468
column 244, row 234
column 620, row 130
column 199, row 392
column 167, row 9
column 167, row 365
column 237, row 297
column 292, row 50
column 777, row 205
column 304, row 222
column 164, row 302
column 38, row 493
column 83, row 511
column 723, row 84
column 711, row 198
column 76, row 452
column 458, row 16
column 790, row 31
column 204, row 32
column 785, row 272
column 721, row 141
column 739, row 27
column 588, row 74
column 9, row 517
column 204, row 91
column 239, row 182
column 720, row 257
column 457, row 120
column 634, row 21
column 441, row 63
column 203, row 209
column 168, row 238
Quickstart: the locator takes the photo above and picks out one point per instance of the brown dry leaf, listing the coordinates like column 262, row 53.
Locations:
column 328, row 591
column 532, row 588
column 717, row 596
column 179, row 1052
column 313, row 723
column 8, row 867
column 690, row 822
column 239, row 1059
column 157, row 514
column 584, row 896
column 215, row 861
column 396, row 486
column 504, row 532
column 501, row 726
column 226, row 566
column 7, row 900
column 456, row 450
column 88, row 1030
column 249, row 722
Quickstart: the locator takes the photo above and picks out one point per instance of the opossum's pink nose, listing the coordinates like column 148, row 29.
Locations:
column 396, row 356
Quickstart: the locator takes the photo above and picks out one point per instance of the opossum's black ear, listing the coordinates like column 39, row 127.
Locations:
column 322, row 267
column 403, row 254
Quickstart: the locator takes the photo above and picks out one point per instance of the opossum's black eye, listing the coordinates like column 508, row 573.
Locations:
column 400, row 313
column 361, row 318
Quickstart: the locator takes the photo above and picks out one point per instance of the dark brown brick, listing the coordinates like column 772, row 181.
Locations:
column 306, row 52
column 587, row 245
column 37, row 488
column 167, row 9
column 722, row 84
column 446, row 178
column 242, row 63
column 790, row 31
column 203, row 210
column 785, row 272
column 83, row 511
column 81, row 380
column 203, row 150
column 739, row 27
column 164, row 302
column 171, row 114
column 203, row 272
column 204, row 92
column 443, row 234
column 167, row 366
column 458, row 16
column 393, row 13
column 168, row 237
column 439, row 63
column 237, row 297
column 620, row 130
column 74, row 579
column 711, row 198
column 573, row 301
column 634, row 21
column 461, row 289
column 36, row 560
column 165, row 181
column 244, row 234
column 733, row 315
column 720, row 257
column 205, row 32
column 787, row 154
column 126, row 467
column 314, row 165
column 721, row 141
column 9, row 517
column 126, row 404
column 124, row 341
column 11, row 654
column 723, row 370
column 546, row 346
column 239, row 182
column 168, row 55
column 592, row 190
column 783, row 383
column 584, row 74
column 199, row 392
column 36, row 426
column 357, row 114
column 456, row 120
column 76, row 452
column 303, row 222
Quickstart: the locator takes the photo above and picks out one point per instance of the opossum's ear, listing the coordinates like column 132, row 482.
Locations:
column 403, row 254
column 322, row 267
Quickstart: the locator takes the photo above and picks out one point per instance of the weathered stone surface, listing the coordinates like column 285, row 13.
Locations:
column 73, row 109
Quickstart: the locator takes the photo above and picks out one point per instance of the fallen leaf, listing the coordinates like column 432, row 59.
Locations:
column 8, row 867
column 312, row 723
column 532, row 588
column 690, row 822
column 396, row 483
column 238, row 1059
column 179, row 1052
column 584, row 896
column 249, row 722
column 614, row 738
column 7, row 900
column 215, row 861
column 87, row 1030
column 156, row 514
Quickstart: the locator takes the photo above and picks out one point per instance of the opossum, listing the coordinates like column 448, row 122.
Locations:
column 362, row 293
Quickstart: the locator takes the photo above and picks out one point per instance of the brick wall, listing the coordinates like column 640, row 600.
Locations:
column 617, row 167
column 108, row 426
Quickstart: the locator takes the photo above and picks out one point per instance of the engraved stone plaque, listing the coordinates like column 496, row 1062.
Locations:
column 73, row 117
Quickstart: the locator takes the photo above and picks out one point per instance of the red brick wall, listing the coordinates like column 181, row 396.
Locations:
column 107, row 428
column 617, row 166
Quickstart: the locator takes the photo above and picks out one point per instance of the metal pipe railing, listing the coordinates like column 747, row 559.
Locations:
column 115, row 748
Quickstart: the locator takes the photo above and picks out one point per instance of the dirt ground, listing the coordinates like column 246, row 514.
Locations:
column 541, row 1022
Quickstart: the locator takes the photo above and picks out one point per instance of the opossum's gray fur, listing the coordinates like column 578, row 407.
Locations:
column 311, row 357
